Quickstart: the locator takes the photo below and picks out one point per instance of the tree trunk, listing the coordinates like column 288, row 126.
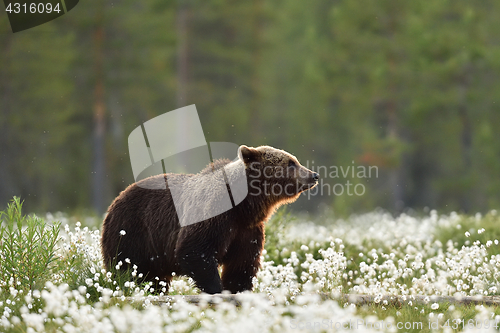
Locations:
column 255, row 80
column 6, row 177
column 98, row 167
column 466, row 145
column 182, row 55
column 182, row 81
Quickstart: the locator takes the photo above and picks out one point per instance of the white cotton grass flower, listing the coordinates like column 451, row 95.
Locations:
column 307, row 260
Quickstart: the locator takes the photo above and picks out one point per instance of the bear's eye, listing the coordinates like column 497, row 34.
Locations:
column 291, row 163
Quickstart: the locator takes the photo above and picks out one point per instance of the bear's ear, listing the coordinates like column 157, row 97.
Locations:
column 248, row 154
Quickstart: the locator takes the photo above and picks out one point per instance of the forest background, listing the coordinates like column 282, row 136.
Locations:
column 409, row 87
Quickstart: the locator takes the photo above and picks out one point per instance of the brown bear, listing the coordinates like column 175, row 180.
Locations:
column 142, row 224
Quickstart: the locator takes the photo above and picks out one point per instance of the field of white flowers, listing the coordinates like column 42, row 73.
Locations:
column 307, row 266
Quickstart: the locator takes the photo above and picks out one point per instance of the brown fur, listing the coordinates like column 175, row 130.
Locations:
column 157, row 244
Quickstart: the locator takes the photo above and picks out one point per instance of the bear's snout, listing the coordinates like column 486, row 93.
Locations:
column 307, row 179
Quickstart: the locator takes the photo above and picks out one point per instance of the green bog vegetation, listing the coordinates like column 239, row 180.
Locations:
column 52, row 278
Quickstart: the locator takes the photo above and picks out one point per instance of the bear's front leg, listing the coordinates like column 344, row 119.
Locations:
column 196, row 257
column 242, row 260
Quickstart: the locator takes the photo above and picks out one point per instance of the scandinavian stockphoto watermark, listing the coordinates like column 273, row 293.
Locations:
column 351, row 325
column 174, row 143
column 389, row 324
column 348, row 179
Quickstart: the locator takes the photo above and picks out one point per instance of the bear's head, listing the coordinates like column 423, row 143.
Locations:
column 275, row 173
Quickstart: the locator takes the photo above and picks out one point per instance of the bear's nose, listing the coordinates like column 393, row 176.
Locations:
column 315, row 176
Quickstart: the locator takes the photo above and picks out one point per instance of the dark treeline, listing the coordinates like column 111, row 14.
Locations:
column 411, row 88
